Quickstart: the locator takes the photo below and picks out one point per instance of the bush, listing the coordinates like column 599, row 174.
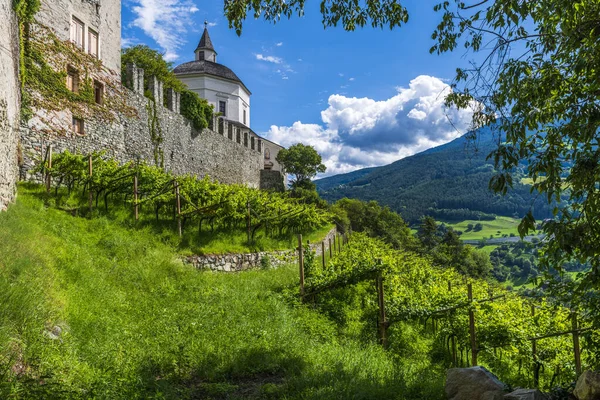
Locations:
column 196, row 109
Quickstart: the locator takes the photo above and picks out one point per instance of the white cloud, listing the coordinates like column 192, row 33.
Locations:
column 279, row 44
column 362, row 132
column 271, row 59
column 351, row 79
column 165, row 21
column 212, row 24
column 340, row 74
column 300, row 60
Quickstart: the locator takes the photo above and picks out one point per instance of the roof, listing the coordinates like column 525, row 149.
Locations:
column 205, row 42
column 208, row 68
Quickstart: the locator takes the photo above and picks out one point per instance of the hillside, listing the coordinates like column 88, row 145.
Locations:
column 93, row 309
column 449, row 182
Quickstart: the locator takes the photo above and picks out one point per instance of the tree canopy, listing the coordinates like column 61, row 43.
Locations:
column 303, row 162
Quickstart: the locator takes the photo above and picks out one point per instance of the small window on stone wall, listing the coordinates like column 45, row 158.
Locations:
column 221, row 126
column 252, row 146
column 78, row 126
column 230, row 132
column 72, row 79
column 238, row 137
column 246, row 139
column 259, row 145
column 98, row 92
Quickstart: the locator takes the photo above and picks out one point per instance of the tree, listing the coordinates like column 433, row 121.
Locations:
column 537, row 70
column 303, row 162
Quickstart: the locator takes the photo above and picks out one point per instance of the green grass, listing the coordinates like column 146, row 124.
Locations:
column 498, row 227
column 136, row 323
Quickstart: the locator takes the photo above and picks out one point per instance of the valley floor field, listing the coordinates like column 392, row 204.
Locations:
column 496, row 228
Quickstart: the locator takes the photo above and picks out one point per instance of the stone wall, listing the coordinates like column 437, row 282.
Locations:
column 244, row 261
column 9, row 102
column 103, row 17
column 270, row 179
column 184, row 149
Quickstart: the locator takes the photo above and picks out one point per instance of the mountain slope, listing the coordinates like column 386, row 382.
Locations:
column 449, row 182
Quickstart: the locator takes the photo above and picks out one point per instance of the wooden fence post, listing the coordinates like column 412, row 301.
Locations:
column 576, row 349
column 382, row 321
column 248, row 217
column 91, row 193
column 48, row 175
column 178, row 199
column 339, row 242
column 330, row 250
column 135, row 196
column 323, row 252
column 536, row 368
column 472, row 326
column 301, row 266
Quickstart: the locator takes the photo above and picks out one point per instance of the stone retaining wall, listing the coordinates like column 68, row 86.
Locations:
column 241, row 262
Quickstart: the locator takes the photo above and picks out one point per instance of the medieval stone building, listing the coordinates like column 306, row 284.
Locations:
column 80, row 39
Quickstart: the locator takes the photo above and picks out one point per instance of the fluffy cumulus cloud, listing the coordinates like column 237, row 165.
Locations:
column 165, row 21
column 362, row 132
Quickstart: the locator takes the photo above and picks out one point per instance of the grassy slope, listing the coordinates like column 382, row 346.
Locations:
column 505, row 225
column 136, row 323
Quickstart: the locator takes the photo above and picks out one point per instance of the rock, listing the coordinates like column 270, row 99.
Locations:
column 475, row 383
column 526, row 394
column 588, row 386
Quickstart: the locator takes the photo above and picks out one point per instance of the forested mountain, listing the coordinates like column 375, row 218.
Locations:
column 448, row 182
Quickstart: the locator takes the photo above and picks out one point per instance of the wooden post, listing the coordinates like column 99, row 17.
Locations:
column 91, row 193
column 301, row 266
column 248, row 221
column 48, row 175
column 330, row 250
column 536, row 369
column 339, row 242
column 178, row 199
column 472, row 327
column 323, row 252
column 454, row 355
column 382, row 321
column 576, row 350
column 135, row 196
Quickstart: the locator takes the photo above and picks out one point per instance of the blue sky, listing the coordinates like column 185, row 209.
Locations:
column 362, row 98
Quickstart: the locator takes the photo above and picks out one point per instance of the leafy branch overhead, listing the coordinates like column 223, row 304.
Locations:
column 350, row 14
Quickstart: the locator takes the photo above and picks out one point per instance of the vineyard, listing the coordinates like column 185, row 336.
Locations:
column 85, row 183
column 526, row 341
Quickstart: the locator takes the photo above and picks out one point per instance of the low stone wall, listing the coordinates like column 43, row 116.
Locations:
column 242, row 262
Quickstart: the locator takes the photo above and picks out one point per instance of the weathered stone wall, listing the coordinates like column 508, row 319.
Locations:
column 184, row 149
column 103, row 17
column 270, row 179
column 242, row 262
column 9, row 102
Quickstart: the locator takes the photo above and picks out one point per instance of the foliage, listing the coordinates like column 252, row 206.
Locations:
column 303, row 162
column 153, row 64
column 377, row 13
column 137, row 324
column 202, row 200
column 196, row 109
column 443, row 245
column 376, row 221
column 415, row 290
column 542, row 56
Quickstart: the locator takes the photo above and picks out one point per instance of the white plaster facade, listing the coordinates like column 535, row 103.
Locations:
column 215, row 90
